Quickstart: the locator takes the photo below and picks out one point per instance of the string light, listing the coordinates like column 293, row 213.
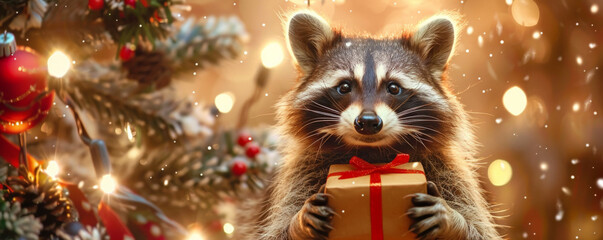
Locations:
column 224, row 102
column 58, row 64
column 272, row 55
column 499, row 172
column 108, row 184
column 228, row 228
column 52, row 169
column 515, row 100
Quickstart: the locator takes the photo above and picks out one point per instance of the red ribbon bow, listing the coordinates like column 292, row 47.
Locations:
column 364, row 168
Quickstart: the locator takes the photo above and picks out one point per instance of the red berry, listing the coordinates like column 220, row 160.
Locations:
column 131, row 3
column 96, row 4
column 244, row 139
column 252, row 150
column 126, row 52
column 238, row 168
column 216, row 226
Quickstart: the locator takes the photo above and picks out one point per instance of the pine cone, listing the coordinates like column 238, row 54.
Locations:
column 45, row 199
column 149, row 68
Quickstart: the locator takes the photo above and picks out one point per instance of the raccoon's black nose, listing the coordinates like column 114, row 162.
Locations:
column 368, row 123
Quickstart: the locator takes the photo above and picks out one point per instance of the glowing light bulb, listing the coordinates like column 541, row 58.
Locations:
column 228, row 228
column 108, row 184
column 58, row 64
column 576, row 107
column 536, row 35
column 224, row 102
column 515, row 100
column 52, row 169
column 195, row 236
column 499, row 172
column 272, row 55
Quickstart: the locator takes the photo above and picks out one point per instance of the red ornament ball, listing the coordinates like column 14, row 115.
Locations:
column 126, row 52
column 244, row 139
column 238, row 168
column 23, row 97
column 131, row 3
column 96, row 4
column 252, row 150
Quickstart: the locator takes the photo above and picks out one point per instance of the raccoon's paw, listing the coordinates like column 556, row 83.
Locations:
column 433, row 218
column 313, row 221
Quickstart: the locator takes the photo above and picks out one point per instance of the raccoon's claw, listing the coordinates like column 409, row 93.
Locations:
column 433, row 218
column 313, row 221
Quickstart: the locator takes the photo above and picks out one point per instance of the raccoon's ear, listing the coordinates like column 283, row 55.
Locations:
column 308, row 37
column 434, row 41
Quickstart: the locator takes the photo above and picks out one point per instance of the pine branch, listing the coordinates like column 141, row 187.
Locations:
column 159, row 114
column 199, row 42
column 197, row 179
column 18, row 223
column 67, row 23
column 108, row 101
column 147, row 21
column 10, row 8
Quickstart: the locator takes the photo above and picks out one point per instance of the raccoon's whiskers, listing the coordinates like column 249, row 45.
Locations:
column 401, row 136
column 314, row 133
column 424, row 128
column 319, row 112
column 318, row 120
column 325, row 138
column 334, row 102
column 418, row 139
column 421, row 117
column 405, row 100
column 325, row 107
column 412, row 110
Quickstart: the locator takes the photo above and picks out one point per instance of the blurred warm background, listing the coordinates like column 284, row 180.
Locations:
column 550, row 180
column 527, row 71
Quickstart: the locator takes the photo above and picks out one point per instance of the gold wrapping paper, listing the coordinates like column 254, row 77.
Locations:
column 350, row 200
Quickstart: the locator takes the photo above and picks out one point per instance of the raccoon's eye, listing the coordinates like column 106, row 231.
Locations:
column 394, row 89
column 344, row 88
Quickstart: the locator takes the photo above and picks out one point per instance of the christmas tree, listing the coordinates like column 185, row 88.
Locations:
column 155, row 157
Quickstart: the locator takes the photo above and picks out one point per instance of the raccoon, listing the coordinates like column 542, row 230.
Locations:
column 371, row 98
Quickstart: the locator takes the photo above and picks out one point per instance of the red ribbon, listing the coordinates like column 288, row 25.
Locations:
column 116, row 229
column 364, row 168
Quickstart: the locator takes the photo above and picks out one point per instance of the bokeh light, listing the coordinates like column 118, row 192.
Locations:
column 195, row 236
column 272, row 55
column 58, row 64
column 499, row 172
column 108, row 184
column 515, row 100
column 525, row 12
column 576, row 107
column 228, row 228
column 224, row 102
column 52, row 169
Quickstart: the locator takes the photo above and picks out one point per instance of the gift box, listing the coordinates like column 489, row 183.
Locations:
column 370, row 200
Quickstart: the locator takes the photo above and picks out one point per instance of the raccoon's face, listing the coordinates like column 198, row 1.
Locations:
column 368, row 92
